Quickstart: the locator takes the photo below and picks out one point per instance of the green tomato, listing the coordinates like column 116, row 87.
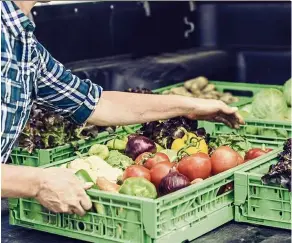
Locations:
column 99, row 150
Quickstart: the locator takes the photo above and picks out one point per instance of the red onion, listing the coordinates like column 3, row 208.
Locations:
column 172, row 182
column 137, row 145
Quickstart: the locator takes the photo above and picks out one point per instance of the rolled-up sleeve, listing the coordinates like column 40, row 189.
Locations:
column 59, row 90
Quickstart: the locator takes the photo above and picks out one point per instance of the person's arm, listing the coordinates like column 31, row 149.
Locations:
column 59, row 90
column 59, row 190
column 81, row 100
column 19, row 181
column 119, row 108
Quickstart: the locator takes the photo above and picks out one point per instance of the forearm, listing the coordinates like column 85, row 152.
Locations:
column 19, row 181
column 120, row 108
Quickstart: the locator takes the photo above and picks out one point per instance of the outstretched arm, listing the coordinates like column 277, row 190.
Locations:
column 119, row 108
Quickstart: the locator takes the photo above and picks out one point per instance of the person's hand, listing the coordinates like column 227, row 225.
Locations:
column 62, row 192
column 216, row 111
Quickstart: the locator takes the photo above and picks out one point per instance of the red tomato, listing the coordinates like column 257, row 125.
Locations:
column 255, row 152
column 136, row 171
column 142, row 158
column 223, row 158
column 195, row 166
column 148, row 160
column 159, row 171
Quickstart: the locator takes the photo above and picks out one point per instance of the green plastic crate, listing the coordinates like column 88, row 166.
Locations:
column 243, row 91
column 247, row 130
column 257, row 203
column 39, row 157
column 177, row 217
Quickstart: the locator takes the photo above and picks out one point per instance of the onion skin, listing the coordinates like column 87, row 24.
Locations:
column 174, row 181
column 137, row 145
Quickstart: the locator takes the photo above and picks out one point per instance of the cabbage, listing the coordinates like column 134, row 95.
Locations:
column 269, row 104
column 287, row 91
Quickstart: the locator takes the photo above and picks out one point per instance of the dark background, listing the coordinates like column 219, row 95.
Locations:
column 238, row 42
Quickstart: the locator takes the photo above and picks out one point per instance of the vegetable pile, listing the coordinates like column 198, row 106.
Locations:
column 165, row 132
column 280, row 173
column 161, row 158
column 46, row 129
column 201, row 88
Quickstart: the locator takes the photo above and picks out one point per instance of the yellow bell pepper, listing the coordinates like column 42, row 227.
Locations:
column 191, row 144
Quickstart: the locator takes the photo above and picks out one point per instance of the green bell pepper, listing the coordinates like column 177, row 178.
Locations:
column 138, row 186
column 85, row 177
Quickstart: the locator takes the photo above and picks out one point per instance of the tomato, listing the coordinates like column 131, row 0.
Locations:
column 159, row 171
column 195, row 166
column 148, row 160
column 142, row 157
column 255, row 152
column 223, row 158
column 136, row 171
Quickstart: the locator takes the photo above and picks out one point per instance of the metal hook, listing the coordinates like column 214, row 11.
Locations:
column 192, row 6
column 147, row 9
column 191, row 29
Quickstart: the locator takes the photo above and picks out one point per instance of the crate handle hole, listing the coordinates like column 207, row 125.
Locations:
column 81, row 226
column 198, row 201
column 104, row 229
column 276, row 191
column 281, row 213
column 253, row 209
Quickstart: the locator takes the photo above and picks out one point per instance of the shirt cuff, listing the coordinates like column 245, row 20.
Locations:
column 84, row 111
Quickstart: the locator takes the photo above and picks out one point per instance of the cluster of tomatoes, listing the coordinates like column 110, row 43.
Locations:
column 196, row 167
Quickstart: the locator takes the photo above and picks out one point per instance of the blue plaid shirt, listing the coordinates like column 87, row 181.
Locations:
column 29, row 73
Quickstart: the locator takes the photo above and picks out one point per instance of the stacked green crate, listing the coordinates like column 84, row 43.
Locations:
column 273, row 130
column 38, row 157
column 177, row 217
column 261, row 204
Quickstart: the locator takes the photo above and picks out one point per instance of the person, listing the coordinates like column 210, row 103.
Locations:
column 30, row 74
